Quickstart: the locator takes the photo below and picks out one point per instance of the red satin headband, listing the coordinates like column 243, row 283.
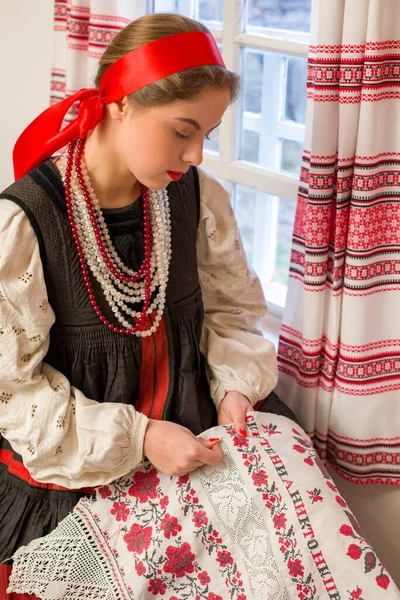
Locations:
column 133, row 71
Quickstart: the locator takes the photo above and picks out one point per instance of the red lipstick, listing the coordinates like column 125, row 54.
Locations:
column 175, row 175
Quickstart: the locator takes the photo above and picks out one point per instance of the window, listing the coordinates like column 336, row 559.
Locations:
column 257, row 150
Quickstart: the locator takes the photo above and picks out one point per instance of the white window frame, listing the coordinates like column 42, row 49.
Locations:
column 224, row 164
column 233, row 37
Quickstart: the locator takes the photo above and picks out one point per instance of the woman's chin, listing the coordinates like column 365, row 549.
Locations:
column 158, row 183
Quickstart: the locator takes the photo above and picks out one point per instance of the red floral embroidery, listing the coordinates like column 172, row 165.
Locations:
column 140, row 568
column 145, row 485
column 104, row 491
column 120, row 511
column 271, row 429
column 240, row 442
column 212, row 596
column 295, row 567
column 299, row 448
column 340, row 501
column 164, row 502
column 354, row 551
column 331, row 486
column 383, row 581
column 346, row 530
column 138, row 538
column 285, row 544
column 204, row 578
column 200, row 518
column 170, row 526
column 191, row 497
column 269, row 500
column 315, row 495
column 157, row 586
column 224, row 558
column 214, row 537
column 182, row 480
column 180, row 560
column 260, row 478
column 279, row 520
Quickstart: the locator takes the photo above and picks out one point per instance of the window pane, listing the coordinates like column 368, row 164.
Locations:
column 210, row 10
column 273, row 110
column 293, row 15
column 213, row 142
column 266, row 225
column 250, row 146
column 296, row 100
column 285, row 231
column 253, row 72
column 181, row 7
column 291, row 156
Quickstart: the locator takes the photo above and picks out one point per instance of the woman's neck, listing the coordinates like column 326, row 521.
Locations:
column 114, row 186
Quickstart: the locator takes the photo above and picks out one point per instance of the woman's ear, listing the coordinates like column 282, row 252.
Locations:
column 119, row 109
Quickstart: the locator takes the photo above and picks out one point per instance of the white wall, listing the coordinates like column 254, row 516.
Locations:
column 25, row 63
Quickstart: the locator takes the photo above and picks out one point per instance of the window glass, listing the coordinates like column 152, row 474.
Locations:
column 266, row 226
column 293, row 15
column 272, row 112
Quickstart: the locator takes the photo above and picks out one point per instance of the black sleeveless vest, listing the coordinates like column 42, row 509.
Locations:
column 104, row 365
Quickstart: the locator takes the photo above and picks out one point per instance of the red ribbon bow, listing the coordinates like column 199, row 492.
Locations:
column 140, row 67
column 40, row 133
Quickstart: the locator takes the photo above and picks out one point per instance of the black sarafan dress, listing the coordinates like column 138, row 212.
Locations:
column 73, row 394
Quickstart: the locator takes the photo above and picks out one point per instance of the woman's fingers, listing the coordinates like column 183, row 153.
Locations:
column 210, row 443
column 233, row 409
column 210, row 456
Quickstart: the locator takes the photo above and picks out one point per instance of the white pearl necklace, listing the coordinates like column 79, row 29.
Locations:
column 120, row 295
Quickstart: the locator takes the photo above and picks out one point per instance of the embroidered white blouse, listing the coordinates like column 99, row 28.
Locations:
column 73, row 441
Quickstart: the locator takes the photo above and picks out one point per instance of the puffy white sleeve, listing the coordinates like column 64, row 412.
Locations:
column 62, row 436
column 238, row 357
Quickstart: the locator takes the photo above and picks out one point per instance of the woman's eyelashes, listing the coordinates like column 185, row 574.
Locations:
column 181, row 136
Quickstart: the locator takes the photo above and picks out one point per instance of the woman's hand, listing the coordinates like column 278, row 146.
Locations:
column 174, row 450
column 233, row 409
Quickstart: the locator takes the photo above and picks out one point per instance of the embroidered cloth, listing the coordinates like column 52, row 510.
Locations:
column 267, row 522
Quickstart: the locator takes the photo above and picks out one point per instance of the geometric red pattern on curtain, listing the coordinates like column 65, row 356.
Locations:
column 339, row 348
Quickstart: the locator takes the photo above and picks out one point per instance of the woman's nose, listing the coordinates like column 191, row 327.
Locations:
column 193, row 155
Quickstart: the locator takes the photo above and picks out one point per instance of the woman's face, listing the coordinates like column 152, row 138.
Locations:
column 152, row 142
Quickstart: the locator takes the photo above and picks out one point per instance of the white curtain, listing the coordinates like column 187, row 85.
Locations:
column 339, row 351
column 82, row 30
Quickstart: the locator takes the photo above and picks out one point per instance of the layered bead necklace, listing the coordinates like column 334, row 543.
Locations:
column 122, row 287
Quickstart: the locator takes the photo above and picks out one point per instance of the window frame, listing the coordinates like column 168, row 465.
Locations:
column 233, row 37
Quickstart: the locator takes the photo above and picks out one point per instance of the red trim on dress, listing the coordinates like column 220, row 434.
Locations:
column 5, row 572
column 154, row 373
column 19, row 470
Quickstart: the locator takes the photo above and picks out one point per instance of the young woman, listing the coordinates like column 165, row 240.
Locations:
column 129, row 324
column 129, row 318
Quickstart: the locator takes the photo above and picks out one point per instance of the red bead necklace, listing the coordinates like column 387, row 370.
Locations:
column 145, row 268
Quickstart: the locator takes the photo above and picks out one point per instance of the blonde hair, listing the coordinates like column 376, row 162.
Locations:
column 185, row 85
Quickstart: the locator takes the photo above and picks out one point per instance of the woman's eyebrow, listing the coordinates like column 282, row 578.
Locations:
column 190, row 121
column 194, row 123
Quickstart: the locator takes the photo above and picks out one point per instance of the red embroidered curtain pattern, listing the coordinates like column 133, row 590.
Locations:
column 82, row 30
column 339, row 350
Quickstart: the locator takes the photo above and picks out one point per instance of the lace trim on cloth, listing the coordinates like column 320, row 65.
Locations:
column 267, row 522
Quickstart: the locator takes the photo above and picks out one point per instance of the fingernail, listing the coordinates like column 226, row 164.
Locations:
column 243, row 432
column 214, row 439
